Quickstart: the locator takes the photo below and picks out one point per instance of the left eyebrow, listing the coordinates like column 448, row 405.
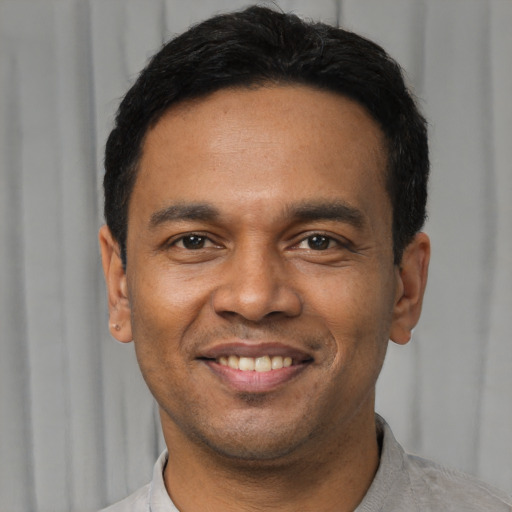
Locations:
column 185, row 211
column 338, row 211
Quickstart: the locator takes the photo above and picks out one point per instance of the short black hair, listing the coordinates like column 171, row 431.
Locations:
column 259, row 46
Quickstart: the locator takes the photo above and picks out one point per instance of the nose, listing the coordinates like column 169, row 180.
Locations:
column 256, row 286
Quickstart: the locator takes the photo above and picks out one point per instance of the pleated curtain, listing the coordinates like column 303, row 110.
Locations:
column 78, row 428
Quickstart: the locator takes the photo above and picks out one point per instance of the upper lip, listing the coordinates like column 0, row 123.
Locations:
column 255, row 349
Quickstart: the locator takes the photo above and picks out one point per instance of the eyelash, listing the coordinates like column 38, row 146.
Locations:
column 205, row 239
column 332, row 242
column 202, row 236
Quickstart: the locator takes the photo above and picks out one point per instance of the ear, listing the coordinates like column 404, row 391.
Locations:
column 412, row 280
column 117, row 289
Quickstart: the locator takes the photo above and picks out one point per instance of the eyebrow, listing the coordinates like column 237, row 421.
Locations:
column 327, row 210
column 188, row 211
column 308, row 211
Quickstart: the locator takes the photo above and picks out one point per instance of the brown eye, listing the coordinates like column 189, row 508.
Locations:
column 193, row 242
column 319, row 242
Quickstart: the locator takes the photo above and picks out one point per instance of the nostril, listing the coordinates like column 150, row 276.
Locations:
column 256, row 295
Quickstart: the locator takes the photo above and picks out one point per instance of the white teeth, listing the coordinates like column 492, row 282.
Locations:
column 233, row 362
column 259, row 364
column 246, row 364
column 263, row 364
column 277, row 362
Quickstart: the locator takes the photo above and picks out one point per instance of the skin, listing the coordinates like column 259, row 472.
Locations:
column 255, row 176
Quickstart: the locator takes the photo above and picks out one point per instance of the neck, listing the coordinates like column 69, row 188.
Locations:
column 324, row 477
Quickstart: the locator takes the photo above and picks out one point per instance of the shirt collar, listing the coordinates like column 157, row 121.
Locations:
column 391, row 476
column 159, row 500
column 388, row 476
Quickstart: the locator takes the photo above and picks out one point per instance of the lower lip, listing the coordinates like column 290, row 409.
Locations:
column 255, row 382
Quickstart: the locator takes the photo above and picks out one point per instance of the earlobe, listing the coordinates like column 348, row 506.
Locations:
column 117, row 288
column 412, row 281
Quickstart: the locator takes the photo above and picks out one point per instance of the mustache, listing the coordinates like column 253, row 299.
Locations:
column 270, row 331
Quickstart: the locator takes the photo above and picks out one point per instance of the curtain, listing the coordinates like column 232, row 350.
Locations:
column 78, row 428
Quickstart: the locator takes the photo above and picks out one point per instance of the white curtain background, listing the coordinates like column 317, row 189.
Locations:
column 78, row 429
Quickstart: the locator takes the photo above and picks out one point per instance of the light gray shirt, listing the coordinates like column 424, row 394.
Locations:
column 403, row 483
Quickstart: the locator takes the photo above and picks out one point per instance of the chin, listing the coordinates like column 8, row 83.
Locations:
column 253, row 454
column 253, row 444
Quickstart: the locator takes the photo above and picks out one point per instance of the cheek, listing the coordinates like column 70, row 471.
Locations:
column 165, row 304
column 356, row 309
column 352, row 298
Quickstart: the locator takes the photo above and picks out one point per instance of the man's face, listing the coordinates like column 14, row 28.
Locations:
column 259, row 233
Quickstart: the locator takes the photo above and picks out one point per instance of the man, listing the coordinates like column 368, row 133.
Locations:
column 264, row 196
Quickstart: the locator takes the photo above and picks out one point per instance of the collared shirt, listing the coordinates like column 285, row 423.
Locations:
column 403, row 483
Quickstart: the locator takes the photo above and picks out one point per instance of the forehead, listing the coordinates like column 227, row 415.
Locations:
column 254, row 146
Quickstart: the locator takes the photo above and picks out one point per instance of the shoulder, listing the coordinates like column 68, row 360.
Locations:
column 406, row 483
column 136, row 502
column 436, row 487
column 152, row 496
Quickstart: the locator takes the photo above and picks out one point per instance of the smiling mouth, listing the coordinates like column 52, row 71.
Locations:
column 255, row 364
column 255, row 368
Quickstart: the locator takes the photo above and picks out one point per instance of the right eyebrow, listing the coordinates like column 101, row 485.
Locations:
column 327, row 210
column 184, row 211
